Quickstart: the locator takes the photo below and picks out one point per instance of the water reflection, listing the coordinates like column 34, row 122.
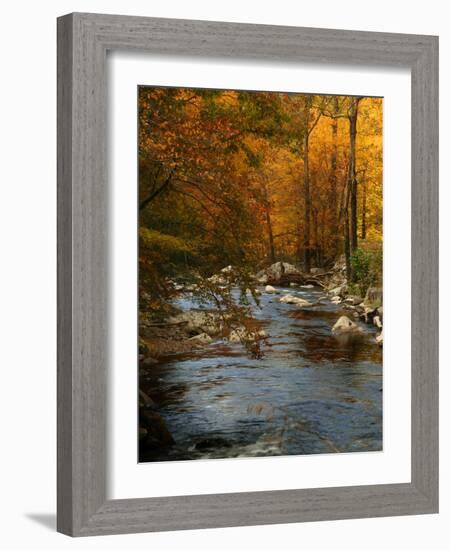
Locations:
column 311, row 393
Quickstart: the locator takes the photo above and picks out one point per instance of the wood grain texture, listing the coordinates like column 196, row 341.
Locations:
column 64, row 330
column 83, row 40
column 425, row 272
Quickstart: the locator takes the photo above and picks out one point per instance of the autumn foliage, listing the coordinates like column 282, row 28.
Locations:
column 249, row 178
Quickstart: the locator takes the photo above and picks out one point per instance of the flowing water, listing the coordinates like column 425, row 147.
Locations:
column 312, row 392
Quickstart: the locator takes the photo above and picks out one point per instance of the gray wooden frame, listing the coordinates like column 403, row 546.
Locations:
column 83, row 40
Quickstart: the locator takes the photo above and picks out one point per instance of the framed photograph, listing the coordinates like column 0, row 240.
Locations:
column 247, row 274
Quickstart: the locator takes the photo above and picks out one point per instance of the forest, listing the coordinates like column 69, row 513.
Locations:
column 243, row 194
column 251, row 178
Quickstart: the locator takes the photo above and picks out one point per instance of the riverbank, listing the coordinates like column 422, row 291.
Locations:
column 185, row 330
column 216, row 401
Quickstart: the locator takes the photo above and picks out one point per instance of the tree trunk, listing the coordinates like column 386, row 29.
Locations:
column 272, row 254
column 323, row 244
column 316, row 247
column 307, row 196
column 333, row 173
column 299, row 242
column 347, row 252
column 271, row 241
column 352, row 177
column 364, row 201
column 347, row 243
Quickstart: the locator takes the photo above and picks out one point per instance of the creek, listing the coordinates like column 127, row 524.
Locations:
column 312, row 392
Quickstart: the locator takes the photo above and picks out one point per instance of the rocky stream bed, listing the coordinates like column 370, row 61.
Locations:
column 316, row 389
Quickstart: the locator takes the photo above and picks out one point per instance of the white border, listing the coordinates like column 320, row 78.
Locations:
column 127, row 479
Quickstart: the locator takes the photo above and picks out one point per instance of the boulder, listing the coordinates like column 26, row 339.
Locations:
column 238, row 335
column 200, row 321
column 223, row 276
column 307, row 286
column 379, row 339
column 377, row 321
column 202, row 338
column 380, row 312
column 270, row 290
column 353, row 300
column 289, row 299
column 335, row 291
column 344, row 325
column 336, row 300
column 276, row 272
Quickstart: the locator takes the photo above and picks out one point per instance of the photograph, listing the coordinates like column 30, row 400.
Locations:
column 260, row 273
column 222, row 225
